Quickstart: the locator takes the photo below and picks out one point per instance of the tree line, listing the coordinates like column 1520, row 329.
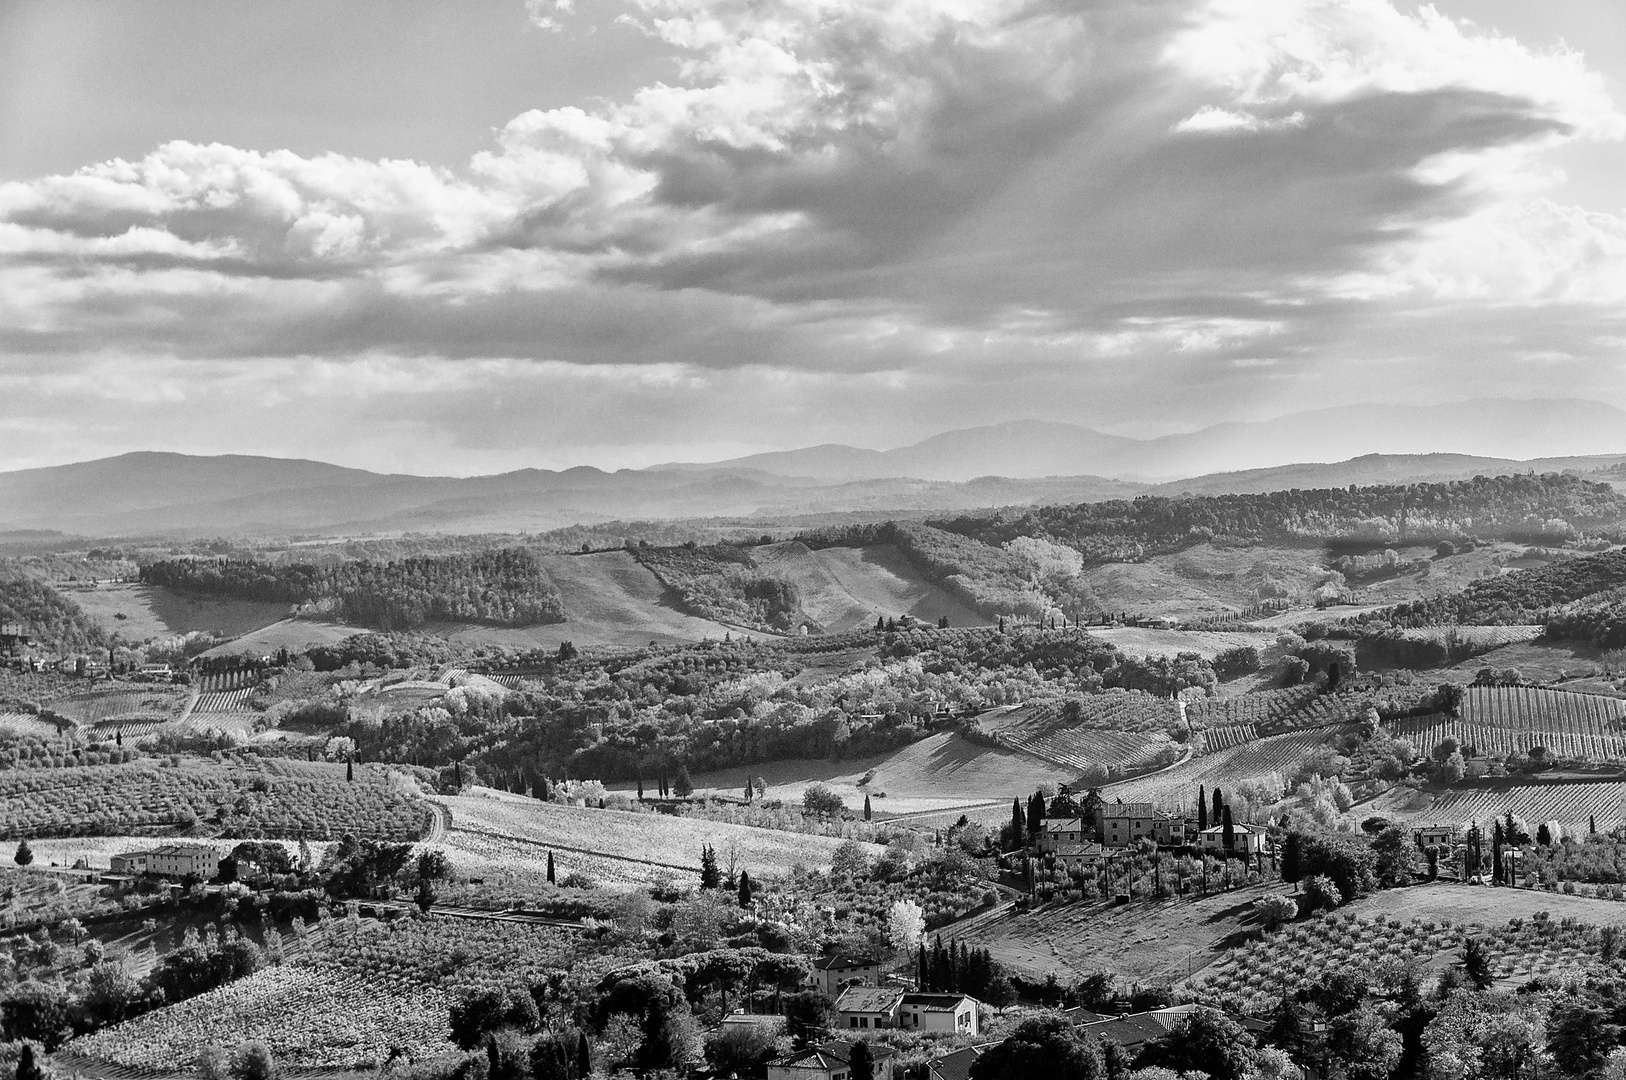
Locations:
column 506, row 587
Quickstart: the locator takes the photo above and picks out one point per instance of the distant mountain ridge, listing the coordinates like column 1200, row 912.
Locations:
column 1494, row 428
column 1015, row 464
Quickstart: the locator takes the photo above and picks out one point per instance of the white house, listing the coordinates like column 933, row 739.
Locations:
column 179, row 860
column 1249, row 840
column 865, row 1007
column 947, row 1013
column 830, row 973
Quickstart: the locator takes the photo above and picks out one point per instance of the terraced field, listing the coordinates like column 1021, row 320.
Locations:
column 1264, row 707
column 1498, row 721
column 26, row 724
column 1571, row 804
column 1086, row 748
column 223, row 701
column 99, row 707
column 1174, row 788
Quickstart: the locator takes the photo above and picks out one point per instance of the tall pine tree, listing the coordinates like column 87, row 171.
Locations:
column 1202, row 808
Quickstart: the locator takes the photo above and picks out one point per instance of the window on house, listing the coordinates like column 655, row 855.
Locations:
column 852, row 1021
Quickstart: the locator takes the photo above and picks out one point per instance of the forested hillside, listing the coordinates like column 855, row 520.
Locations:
column 1531, row 508
column 1520, row 598
column 720, row 582
column 508, row 587
column 51, row 619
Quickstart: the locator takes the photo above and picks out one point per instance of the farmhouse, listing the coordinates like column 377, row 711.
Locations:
column 179, row 860
column 129, row 862
column 1435, row 836
column 865, row 1007
column 1120, row 824
column 831, row 973
column 955, row 1014
column 829, row 1061
column 1249, row 839
column 1057, row 832
column 1078, row 856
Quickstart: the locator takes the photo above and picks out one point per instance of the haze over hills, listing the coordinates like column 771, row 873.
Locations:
column 151, row 493
column 1497, row 428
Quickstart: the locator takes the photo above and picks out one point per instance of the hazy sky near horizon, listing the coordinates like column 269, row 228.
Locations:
column 461, row 236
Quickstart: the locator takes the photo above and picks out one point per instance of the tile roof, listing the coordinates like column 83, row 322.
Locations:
column 831, row 1055
column 867, row 999
column 956, row 1066
column 1135, row 1030
column 1072, row 824
column 937, row 1002
column 1130, row 810
column 1078, row 851
column 843, row 963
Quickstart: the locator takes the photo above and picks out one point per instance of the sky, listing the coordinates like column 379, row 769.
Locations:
column 464, row 236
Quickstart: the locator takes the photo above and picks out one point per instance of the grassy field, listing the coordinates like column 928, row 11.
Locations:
column 1486, row 906
column 847, row 588
column 1539, row 661
column 1149, row 941
column 614, row 847
column 1205, row 580
column 143, row 611
column 291, row 634
column 1138, row 641
column 940, row 771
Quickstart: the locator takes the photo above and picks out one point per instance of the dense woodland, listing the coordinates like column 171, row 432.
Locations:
column 1535, row 509
column 1515, row 599
column 721, row 582
column 506, row 587
column 50, row 618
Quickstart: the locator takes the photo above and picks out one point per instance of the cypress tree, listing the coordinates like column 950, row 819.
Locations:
column 584, row 1056
column 550, row 868
column 349, row 768
column 1019, row 823
column 27, row 1067
column 640, row 789
column 1592, row 825
column 1496, row 852
column 745, row 889
column 1035, row 815
column 922, row 972
column 1228, row 836
column 1219, row 807
column 1202, row 809
column 866, row 806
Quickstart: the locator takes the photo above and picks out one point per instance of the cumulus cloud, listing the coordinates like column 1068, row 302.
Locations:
column 1178, row 205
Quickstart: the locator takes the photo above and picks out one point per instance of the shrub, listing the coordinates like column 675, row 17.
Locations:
column 1321, row 894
